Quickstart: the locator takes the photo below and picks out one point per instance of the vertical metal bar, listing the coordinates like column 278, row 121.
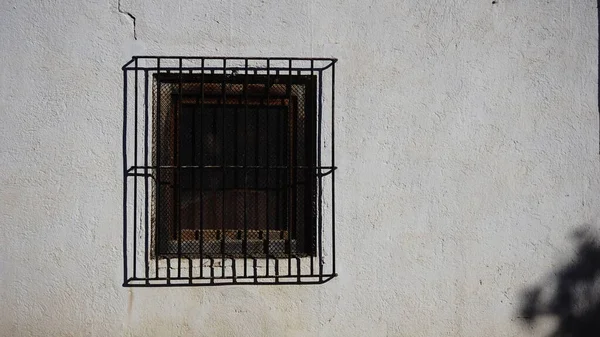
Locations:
column 333, row 167
column 178, row 145
column 307, row 198
column 223, row 86
column 236, row 183
column 319, row 162
column 233, row 270
column 268, row 88
column 257, row 173
column 201, row 238
column 125, row 177
column 290, row 203
column 190, row 267
column 312, row 174
column 193, row 173
column 158, row 132
column 146, row 185
column 277, row 185
column 168, row 270
column 135, row 164
column 245, row 243
column 212, row 269
column 277, row 135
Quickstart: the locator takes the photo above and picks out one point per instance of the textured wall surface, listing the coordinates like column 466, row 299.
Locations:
column 467, row 137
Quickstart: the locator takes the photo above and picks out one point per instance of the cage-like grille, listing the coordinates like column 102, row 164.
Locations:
column 224, row 169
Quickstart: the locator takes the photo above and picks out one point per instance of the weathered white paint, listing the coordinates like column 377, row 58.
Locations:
column 467, row 145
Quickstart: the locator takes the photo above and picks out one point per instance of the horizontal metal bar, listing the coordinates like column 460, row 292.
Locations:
column 171, row 167
column 128, row 63
column 218, row 281
column 130, row 174
column 322, row 174
column 328, row 66
column 185, row 68
column 301, row 276
column 275, row 58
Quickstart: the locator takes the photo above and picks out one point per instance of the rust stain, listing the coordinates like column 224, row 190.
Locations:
column 129, row 304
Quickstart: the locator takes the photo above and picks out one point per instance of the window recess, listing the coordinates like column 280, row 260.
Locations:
column 228, row 171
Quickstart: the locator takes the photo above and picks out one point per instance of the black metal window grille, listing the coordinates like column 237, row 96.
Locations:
column 228, row 171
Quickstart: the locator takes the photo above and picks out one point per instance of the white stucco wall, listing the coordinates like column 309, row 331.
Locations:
column 468, row 149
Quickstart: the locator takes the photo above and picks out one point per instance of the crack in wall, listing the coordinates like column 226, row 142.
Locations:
column 130, row 16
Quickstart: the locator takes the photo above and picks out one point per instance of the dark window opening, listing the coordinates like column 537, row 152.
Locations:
column 240, row 154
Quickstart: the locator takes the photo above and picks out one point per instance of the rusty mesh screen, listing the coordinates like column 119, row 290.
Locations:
column 233, row 157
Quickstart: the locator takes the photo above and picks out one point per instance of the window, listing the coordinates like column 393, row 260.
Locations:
column 225, row 183
column 237, row 149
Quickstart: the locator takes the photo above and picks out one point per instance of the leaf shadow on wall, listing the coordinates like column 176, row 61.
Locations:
column 572, row 294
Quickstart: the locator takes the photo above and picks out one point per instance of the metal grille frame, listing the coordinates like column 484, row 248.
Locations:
column 287, row 250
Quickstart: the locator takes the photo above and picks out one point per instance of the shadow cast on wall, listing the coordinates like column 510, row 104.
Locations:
column 572, row 294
